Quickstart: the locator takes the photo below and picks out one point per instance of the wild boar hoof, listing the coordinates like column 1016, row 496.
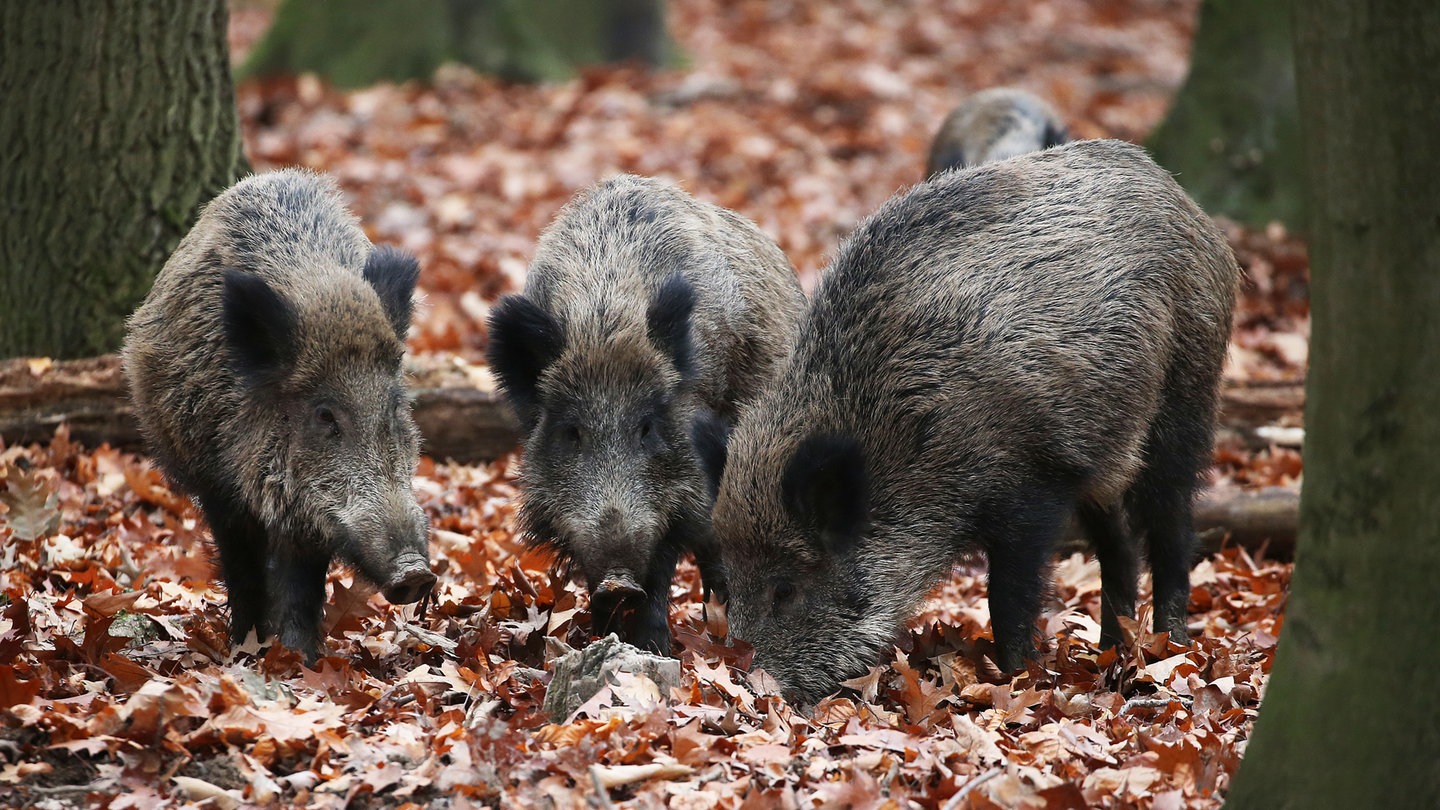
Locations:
column 410, row 585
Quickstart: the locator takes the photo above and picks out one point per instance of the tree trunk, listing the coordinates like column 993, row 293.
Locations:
column 1351, row 717
column 1232, row 135
column 355, row 43
column 118, row 121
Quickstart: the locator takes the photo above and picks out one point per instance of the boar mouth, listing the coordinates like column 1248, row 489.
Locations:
column 619, row 585
column 410, row 584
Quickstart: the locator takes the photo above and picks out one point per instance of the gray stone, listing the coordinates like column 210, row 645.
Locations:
column 579, row 674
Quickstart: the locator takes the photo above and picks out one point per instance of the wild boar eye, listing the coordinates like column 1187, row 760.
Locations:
column 784, row 592
column 325, row 417
column 571, row 436
column 646, row 429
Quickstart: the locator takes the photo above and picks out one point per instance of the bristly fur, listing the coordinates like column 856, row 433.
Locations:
column 994, row 124
column 260, row 328
column 393, row 273
column 1005, row 345
column 668, row 323
column 709, row 434
column 265, row 371
column 524, row 341
column 642, row 308
column 824, row 486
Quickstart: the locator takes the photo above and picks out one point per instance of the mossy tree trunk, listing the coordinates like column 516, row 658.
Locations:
column 1232, row 134
column 1351, row 717
column 118, row 121
column 355, row 43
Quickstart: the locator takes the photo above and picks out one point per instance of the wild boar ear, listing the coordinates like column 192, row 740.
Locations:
column 952, row 156
column 711, row 436
column 261, row 327
column 668, row 322
column 393, row 273
column 825, row 485
column 1055, row 134
column 524, row 340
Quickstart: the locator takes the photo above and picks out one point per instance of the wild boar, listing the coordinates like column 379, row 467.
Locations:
column 641, row 308
column 989, row 353
column 264, row 367
column 994, row 124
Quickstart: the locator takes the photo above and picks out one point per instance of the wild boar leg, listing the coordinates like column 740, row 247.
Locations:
column 707, row 559
column 606, row 613
column 297, row 586
column 1118, row 567
column 1020, row 534
column 243, row 547
column 1160, row 501
column 650, row 624
column 1163, row 512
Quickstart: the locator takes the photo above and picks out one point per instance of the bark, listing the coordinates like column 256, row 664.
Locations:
column 355, row 43
column 1232, row 135
column 118, row 121
column 1351, row 717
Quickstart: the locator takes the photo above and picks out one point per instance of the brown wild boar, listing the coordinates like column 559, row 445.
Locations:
column 991, row 352
column 994, row 124
column 642, row 307
column 265, row 371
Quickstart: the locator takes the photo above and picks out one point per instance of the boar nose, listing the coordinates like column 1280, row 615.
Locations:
column 619, row 584
column 411, row 583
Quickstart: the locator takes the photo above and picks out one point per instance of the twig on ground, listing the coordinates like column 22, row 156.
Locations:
column 959, row 797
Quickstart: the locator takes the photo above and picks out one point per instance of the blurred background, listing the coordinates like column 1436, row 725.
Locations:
column 458, row 128
column 803, row 116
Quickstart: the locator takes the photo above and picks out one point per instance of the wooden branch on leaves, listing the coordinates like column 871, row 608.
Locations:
column 1253, row 519
column 1253, row 404
column 1268, row 518
column 458, row 411
column 1258, row 414
column 462, row 418
column 37, row 395
column 456, row 405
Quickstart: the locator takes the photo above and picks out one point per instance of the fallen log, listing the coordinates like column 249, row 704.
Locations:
column 1265, row 519
column 1257, row 403
column 462, row 418
column 457, row 408
column 37, row 395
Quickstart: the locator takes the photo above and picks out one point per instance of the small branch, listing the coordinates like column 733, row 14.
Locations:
column 55, row 790
column 959, row 798
column 1147, row 703
column 602, row 794
column 430, row 637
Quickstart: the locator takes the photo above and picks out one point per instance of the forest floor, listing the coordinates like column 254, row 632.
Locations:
column 123, row 690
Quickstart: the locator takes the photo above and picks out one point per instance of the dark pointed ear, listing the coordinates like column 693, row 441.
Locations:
column 524, row 340
column 711, row 436
column 950, row 157
column 668, row 322
column 393, row 273
column 1055, row 134
column 825, row 485
column 261, row 328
